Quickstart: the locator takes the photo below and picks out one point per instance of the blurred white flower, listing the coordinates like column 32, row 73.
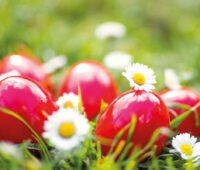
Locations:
column 117, row 60
column 171, row 79
column 140, row 77
column 8, row 74
column 55, row 63
column 186, row 145
column 10, row 149
column 188, row 75
column 68, row 100
column 66, row 129
column 110, row 30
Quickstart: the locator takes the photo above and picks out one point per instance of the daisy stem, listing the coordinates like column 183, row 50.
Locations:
column 99, row 154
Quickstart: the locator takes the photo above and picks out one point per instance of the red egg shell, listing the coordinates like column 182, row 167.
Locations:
column 28, row 100
column 27, row 66
column 183, row 96
column 151, row 114
column 95, row 83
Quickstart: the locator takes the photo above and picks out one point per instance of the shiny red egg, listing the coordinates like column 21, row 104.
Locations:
column 27, row 66
column 183, row 96
column 151, row 114
column 95, row 82
column 28, row 100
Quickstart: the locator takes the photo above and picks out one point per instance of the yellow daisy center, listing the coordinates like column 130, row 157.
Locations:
column 68, row 104
column 186, row 149
column 139, row 78
column 67, row 130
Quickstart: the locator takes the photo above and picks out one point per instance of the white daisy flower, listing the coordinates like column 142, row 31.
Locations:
column 117, row 60
column 110, row 30
column 10, row 149
column 186, row 145
column 55, row 63
column 140, row 77
column 66, row 129
column 188, row 75
column 68, row 100
column 171, row 79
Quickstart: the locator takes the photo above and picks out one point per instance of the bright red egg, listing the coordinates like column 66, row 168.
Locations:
column 183, row 96
column 27, row 66
column 151, row 114
column 29, row 101
column 95, row 82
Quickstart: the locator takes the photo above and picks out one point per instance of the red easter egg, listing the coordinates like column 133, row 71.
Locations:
column 95, row 82
column 27, row 66
column 29, row 101
column 151, row 114
column 187, row 97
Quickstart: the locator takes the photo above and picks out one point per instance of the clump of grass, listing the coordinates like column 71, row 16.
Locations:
column 88, row 156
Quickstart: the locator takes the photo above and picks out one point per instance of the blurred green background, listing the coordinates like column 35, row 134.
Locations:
column 160, row 33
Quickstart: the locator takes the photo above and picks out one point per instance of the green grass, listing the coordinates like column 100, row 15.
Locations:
column 88, row 155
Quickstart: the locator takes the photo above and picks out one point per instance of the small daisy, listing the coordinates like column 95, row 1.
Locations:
column 140, row 77
column 110, row 30
column 66, row 129
column 117, row 60
column 68, row 100
column 186, row 145
column 188, row 75
column 55, row 63
column 171, row 79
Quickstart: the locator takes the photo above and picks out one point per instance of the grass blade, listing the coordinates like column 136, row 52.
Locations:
column 176, row 122
column 41, row 143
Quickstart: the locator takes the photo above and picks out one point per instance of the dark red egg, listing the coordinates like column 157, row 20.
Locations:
column 29, row 101
column 151, row 114
column 28, row 66
column 95, row 82
column 183, row 96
